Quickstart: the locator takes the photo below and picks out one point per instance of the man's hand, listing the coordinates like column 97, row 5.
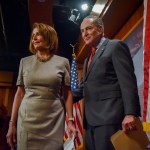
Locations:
column 128, row 123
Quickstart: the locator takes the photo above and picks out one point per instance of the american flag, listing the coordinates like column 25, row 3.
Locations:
column 76, row 107
column 146, row 110
column 74, row 74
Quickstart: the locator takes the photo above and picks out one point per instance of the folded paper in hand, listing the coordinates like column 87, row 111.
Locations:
column 135, row 140
column 69, row 144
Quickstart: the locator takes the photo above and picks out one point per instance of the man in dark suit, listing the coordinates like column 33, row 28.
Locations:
column 108, row 85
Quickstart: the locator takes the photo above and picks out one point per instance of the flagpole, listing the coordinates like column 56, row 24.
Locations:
column 73, row 48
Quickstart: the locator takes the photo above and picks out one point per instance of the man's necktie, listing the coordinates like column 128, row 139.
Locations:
column 91, row 56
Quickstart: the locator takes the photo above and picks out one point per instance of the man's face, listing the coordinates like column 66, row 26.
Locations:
column 91, row 33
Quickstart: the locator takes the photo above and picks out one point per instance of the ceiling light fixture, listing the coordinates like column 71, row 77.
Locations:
column 75, row 15
column 98, row 8
column 84, row 6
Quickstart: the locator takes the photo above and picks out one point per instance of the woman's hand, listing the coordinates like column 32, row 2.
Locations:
column 11, row 136
column 71, row 129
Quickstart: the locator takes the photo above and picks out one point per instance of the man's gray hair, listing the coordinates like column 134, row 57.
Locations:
column 95, row 19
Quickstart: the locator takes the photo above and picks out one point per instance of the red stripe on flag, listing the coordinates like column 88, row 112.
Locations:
column 146, row 59
column 78, row 123
column 79, row 107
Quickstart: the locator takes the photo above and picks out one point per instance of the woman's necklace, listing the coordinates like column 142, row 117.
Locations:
column 44, row 58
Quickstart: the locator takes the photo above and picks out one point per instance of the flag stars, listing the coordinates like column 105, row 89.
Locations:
column 74, row 75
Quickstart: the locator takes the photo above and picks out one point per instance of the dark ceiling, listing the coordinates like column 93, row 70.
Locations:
column 15, row 26
column 14, row 33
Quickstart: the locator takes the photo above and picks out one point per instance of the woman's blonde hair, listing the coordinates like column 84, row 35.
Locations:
column 50, row 36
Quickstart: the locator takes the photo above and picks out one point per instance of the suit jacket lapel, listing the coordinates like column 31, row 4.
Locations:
column 96, row 56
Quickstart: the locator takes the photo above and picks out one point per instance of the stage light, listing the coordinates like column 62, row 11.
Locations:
column 75, row 15
column 84, row 6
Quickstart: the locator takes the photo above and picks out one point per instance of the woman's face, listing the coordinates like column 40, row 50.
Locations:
column 38, row 40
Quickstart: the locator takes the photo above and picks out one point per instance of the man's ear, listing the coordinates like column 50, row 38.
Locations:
column 100, row 29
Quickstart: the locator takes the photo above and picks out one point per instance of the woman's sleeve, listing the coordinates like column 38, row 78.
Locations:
column 20, row 74
column 67, row 73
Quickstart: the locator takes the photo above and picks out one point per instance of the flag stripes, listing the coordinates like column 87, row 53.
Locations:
column 146, row 93
column 78, row 124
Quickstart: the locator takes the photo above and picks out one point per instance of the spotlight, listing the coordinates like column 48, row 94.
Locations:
column 84, row 6
column 75, row 15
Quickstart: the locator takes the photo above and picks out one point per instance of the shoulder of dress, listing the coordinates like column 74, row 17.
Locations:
column 60, row 58
column 28, row 58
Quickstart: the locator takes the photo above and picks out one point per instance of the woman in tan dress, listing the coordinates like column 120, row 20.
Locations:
column 38, row 108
